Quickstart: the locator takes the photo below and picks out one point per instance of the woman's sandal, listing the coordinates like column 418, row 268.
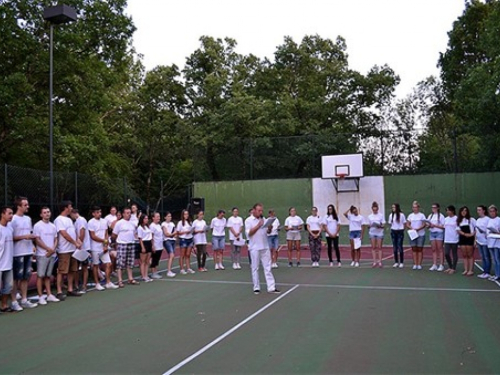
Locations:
column 121, row 284
column 133, row 282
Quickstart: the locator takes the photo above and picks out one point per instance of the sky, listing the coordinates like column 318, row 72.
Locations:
column 407, row 35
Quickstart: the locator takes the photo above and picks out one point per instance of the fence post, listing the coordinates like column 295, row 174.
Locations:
column 76, row 189
column 124, row 191
column 251, row 159
column 455, row 152
column 382, row 156
column 6, row 183
column 162, row 195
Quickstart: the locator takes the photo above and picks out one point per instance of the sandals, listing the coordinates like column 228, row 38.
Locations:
column 6, row 310
column 121, row 284
column 133, row 282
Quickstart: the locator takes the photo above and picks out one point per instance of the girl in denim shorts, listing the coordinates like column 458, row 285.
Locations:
column 376, row 222
column 356, row 230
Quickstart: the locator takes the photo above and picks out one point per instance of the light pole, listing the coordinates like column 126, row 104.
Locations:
column 55, row 15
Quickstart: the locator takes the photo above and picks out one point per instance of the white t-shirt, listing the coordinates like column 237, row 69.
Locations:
column 110, row 219
column 493, row 243
column 200, row 238
column 293, row 221
column 274, row 228
column 436, row 219
column 374, row 220
column 144, row 233
column 125, row 231
column 393, row 220
column 331, row 224
column 259, row 240
column 481, row 230
column 450, row 230
column 157, row 233
column 416, row 221
column 47, row 233
column 80, row 223
column 65, row 223
column 314, row 222
column 170, row 229
column 21, row 225
column 99, row 227
column 218, row 227
column 183, row 228
column 6, row 247
column 237, row 224
column 355, row 222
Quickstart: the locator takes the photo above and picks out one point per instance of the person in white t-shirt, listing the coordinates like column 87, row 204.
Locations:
column 397, row 222
column 111, row 217
column 313, row 225
column 273, row 239
column 185, row 233
column 23, row 254
column 356, row 233
column 67, row 243
column 6, row 256
column 200, row 229
column 466, row 240
column 435, row 222
column 417, row 221
column 331, row 227
column 482, row 242
column 125, row 234
column 157, row 232
column 135, row 213
column 169, row 234
column 235, row 226
column 493, row 240
column 259, row 249
column 451, row 239
column 146, row 245
column 218, row 226
column 46, row 244
column 82, row 231
column 293, row 225
column 376, row 222
column 99, row 248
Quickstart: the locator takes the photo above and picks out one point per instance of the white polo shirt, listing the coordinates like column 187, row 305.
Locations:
column 21, row 225
column 259, row 240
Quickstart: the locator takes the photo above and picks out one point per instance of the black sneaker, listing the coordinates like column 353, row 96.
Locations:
column 61, row 296
column 298, row 264
column 256, row 291
column 74, row 294
column 275, row 291
column 290, row 264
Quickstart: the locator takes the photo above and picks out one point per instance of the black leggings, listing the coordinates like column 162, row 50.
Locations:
column 201, row 255
column 155, row 258
column 453, row 259
column 335, row 241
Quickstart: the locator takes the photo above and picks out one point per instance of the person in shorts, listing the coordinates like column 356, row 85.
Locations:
column 157, row 233
column 169, row 234
column 293, row 226
column 145, row 237
column 417, row 221
column 185, row 232
column 125, row 234
column 6, row 257
column 356, row 231
column 435, row 222
column 46, row 245
column 273, row 239
column 23, row 254
column 82, row 231
column 218, row 226
column 376, row 223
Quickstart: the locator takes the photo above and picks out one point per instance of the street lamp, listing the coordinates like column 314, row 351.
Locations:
column 55, row 15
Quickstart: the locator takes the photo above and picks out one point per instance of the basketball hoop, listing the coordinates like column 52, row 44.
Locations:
column 341, row 176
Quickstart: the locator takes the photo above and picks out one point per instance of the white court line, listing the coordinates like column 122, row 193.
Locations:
column 482, row 269
column 227, row 333
column 392, row 256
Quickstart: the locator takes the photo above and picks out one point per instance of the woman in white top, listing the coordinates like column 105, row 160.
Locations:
column 494, row 240
column 200, row 240
column 273, row 239
column 397, row 221
column 331, row 226
column 293, row 226
column 356, row 233
column 218, row 225
column 157, row 233
column 235, row 225
column 185, row 233
column 313, row 224
column 435, row 222
column 482, row 242
column 467, row 233
column 145, row 241
column 451, row 239
column 376, row 222
column 416, row 221
column 169, row 234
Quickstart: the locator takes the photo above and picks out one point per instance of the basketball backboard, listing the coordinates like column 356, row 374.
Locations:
column 347, row 166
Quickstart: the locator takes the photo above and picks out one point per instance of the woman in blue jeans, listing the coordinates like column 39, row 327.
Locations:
column 397, row 221
column 493, row 240
column 482, row 241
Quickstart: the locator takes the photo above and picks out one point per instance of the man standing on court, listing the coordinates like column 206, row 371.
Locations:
column 23, row 254
column 259, row 249
column 6, row 256
column 125, row 233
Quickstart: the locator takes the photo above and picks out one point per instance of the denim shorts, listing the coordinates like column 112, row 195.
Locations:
column 418, row 242
column 436, row 236
column 169, row 246
column 45, row 266
column 218, row 242
column 21, row 267
column 185, row 242
column 6, row 281
column 354, row 234
column 376, row 236
column 273, row 242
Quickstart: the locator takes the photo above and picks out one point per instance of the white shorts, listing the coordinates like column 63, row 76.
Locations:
column 99, row 256
column 293, row 236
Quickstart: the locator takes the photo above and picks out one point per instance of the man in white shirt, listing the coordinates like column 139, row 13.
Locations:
column 111, row 217
column 125, row 233
column 259, row 249
column 23, row 254
column 82, row 232
column 6, row 256
column 67, row 243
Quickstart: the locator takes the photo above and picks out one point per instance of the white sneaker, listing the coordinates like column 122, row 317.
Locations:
column 419, row 267
column 339, row 265
column 216, row 266
column 433, row 268
column 111, row 286
column 42, row 300
column 235, row 266
column 52, row 298
column 353, row 263
column 395, row 265
column 356, row 264
column 274, row 265
column 440, row 268
column 484, row 276
column 331, row 264
column 156, row 275
column 221, row 267
column 414, row 267
column 170, row 274
column 239, row 266
column 183, row 272
column 401, row 265
column 190, row 271
column 28, row 305
column 15, row 306
column 18, row 296
column 99, row 287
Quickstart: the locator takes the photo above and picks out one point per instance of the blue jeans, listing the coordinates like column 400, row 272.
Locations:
column 496, row 256
column 397, row 237
column 486, row 258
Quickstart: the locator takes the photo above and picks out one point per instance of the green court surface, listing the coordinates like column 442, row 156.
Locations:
column 326, row 320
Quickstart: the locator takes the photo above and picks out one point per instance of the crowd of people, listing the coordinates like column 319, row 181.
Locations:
column 70, row 247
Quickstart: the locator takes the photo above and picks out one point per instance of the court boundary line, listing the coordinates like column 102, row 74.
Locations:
column 482, row 269
column 227, row 333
